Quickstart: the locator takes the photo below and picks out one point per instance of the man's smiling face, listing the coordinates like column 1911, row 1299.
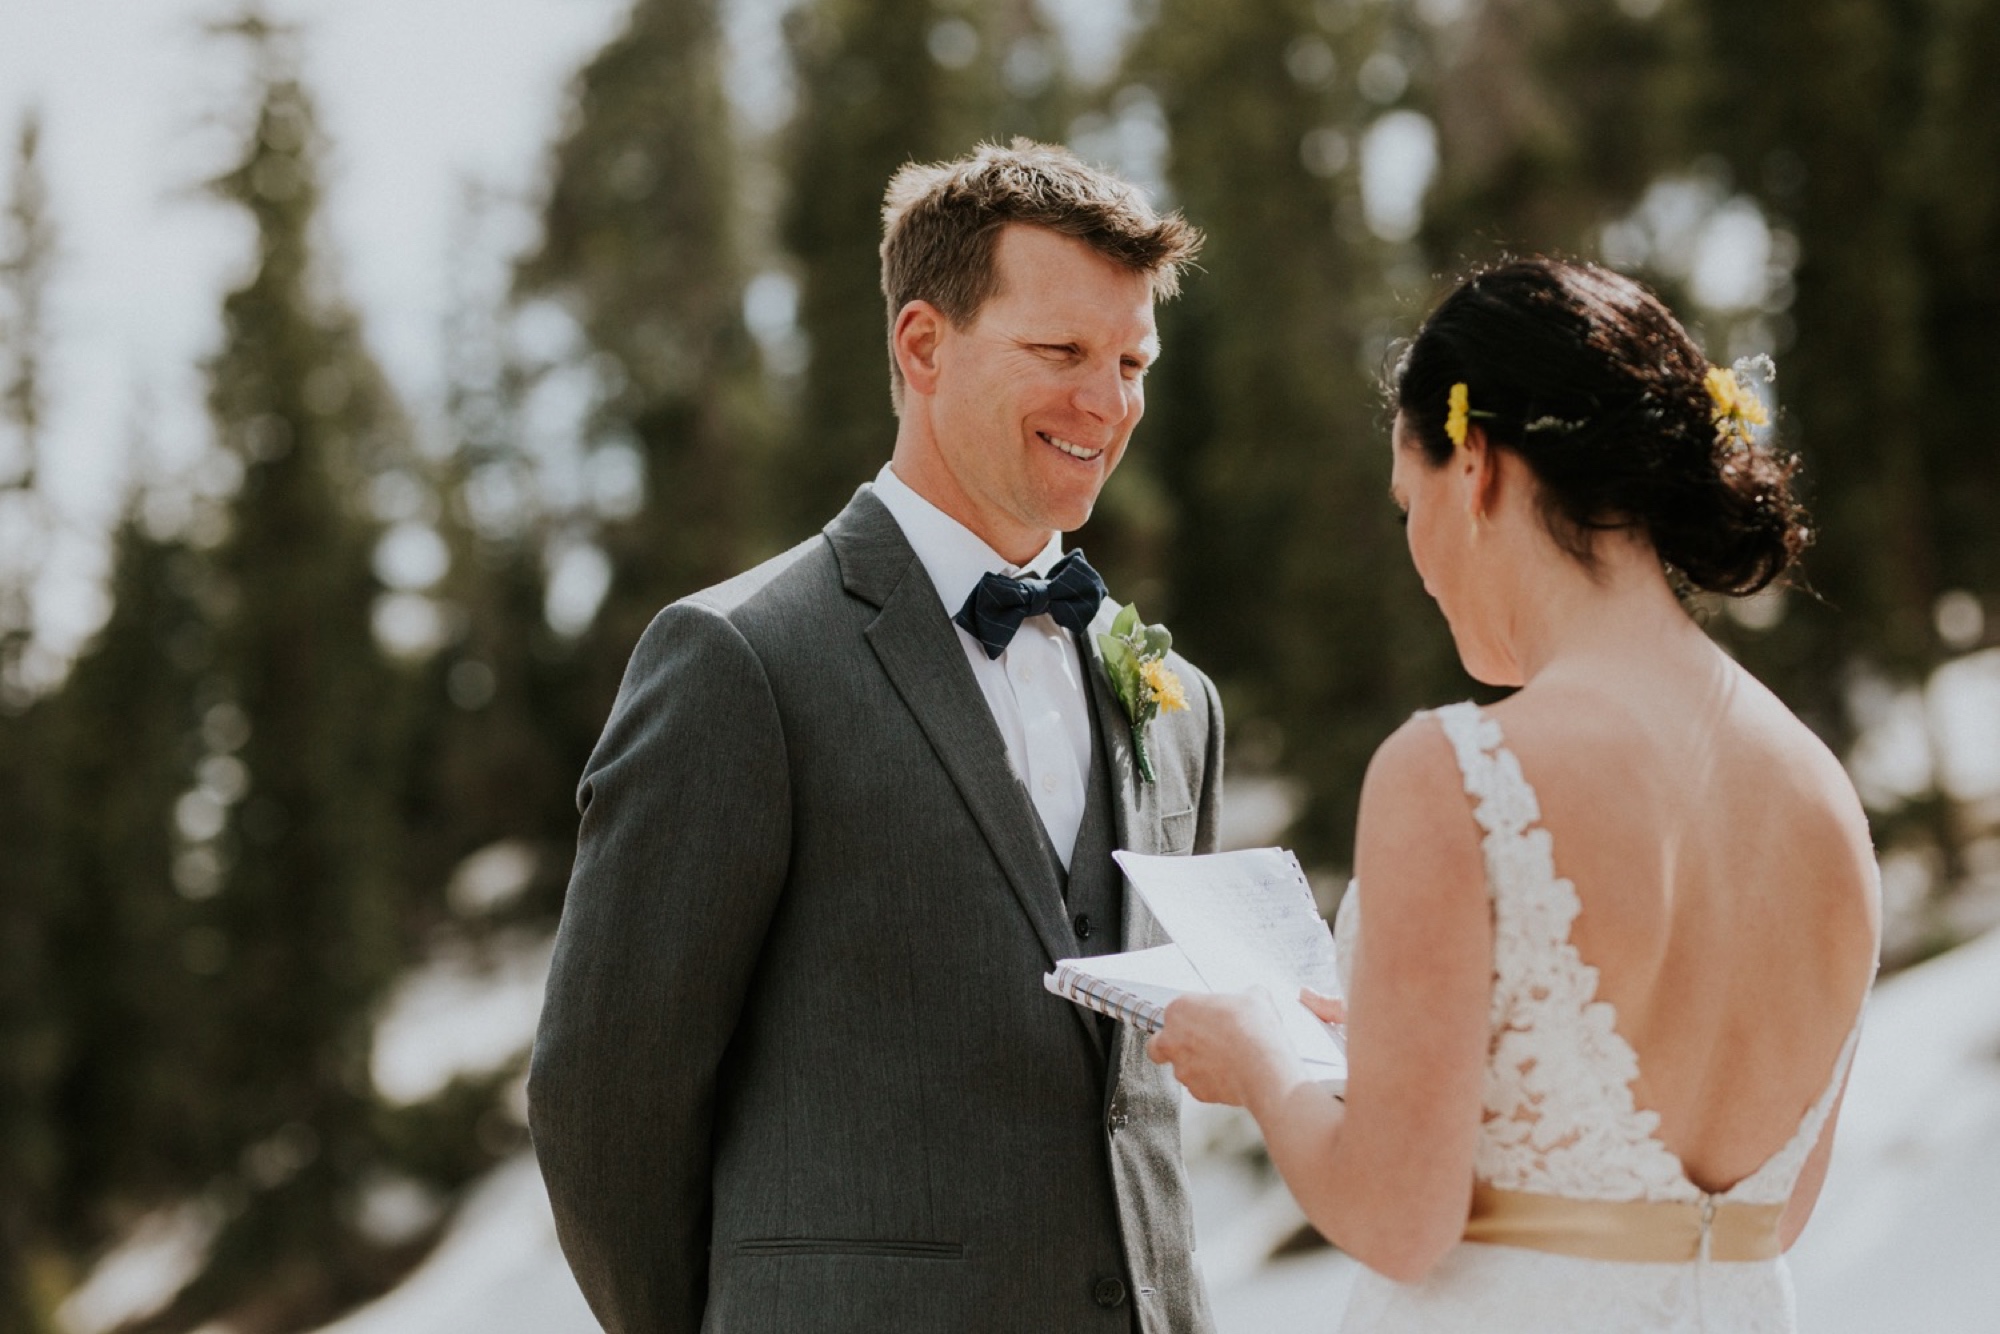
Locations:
column 1036, row 398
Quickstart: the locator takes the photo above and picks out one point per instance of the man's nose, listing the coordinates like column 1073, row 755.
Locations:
column 1105, row 394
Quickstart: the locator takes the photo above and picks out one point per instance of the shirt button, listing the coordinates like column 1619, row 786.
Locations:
column 1048, row 782
column 1109, row 1292
column 1026, row 673
column 1083, row 926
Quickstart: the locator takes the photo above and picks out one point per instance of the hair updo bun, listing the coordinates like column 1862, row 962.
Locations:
column 1591, row 380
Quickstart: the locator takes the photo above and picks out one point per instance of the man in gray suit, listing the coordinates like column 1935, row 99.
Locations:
column 797, row 1070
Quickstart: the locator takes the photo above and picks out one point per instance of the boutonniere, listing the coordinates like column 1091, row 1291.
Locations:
column 1135, row 660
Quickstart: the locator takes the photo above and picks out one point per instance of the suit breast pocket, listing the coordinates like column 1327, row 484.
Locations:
column 1177, row 831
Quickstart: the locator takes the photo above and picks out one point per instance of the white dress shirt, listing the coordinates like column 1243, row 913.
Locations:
column 1035, row 688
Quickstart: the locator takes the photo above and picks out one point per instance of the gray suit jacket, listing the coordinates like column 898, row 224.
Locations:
column 796, row 1069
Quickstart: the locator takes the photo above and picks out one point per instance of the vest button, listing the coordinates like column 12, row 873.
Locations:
column 1109, row 1293
column 1083, row 926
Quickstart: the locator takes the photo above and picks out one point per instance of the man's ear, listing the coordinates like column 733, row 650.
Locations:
column 919, row 328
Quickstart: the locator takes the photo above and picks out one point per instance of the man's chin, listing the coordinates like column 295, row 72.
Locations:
column 1069, row 508
column 1069, row 518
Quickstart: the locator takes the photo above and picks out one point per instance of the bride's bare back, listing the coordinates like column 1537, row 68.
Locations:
column 1726, row 880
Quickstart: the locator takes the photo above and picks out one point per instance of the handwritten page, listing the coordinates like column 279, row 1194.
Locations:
column 1245, row 920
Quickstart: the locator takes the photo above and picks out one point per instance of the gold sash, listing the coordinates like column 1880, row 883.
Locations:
column 1631, row 1230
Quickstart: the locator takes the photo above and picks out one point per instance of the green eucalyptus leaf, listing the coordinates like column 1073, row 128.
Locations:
column 1117, row 653
column 1127, row 620
column 1131, row 688
column 1157, row 641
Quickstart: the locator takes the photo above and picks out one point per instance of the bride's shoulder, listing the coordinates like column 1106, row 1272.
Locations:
column 1414, row 778
column 1418, row 754
column 1416, row 846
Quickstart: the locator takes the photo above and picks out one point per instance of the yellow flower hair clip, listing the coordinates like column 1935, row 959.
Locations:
column 1459, row 414
column 1738, row 407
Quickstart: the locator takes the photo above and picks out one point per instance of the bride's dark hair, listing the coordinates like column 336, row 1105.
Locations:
column 1588, row 378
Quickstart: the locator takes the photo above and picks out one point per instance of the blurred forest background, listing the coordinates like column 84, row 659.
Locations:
column 329, row 731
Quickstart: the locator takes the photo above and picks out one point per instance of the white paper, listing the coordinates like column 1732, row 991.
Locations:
column 1246, row 920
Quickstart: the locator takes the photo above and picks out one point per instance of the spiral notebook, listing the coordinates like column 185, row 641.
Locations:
column 1238, row 920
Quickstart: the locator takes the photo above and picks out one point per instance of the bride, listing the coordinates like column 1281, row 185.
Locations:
column 1609, row 939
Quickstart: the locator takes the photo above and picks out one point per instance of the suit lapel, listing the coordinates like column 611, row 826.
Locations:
column 920, row 653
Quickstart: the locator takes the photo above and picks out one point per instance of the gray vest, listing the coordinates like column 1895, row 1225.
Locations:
column 1093, row 888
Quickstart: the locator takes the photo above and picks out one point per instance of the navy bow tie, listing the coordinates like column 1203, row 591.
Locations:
column 999, row 603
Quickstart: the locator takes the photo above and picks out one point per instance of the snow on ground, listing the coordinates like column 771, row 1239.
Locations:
column 160, row 1254
column 1904, row 1236
column 1908, row 1228
column 498, row 1271
column 465, row 1012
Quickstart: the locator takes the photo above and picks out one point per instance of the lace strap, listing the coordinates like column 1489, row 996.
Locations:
column 1533, row 906
column 1506, row 803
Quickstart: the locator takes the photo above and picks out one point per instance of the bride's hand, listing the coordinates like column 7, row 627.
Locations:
column 1330, row 1009
column 1225, row 1049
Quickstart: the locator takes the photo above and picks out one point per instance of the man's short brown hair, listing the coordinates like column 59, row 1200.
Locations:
column 941, row 225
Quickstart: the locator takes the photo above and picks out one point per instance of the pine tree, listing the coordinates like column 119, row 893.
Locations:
column 880, row 83
column 1288, row 571
column 30, row 1024
column 639, row 246
column 1864, row 152
column 27, row 260
column 1552, row 121
column 305, row 915
column 505, row 726
column 128, row 956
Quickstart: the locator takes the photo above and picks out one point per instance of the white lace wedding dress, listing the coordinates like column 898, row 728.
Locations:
column 1560, row 1119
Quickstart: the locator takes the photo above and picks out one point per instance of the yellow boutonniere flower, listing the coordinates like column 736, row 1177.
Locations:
column 1163, row 685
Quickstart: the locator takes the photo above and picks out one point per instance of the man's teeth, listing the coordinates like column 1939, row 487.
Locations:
column 1074, row 451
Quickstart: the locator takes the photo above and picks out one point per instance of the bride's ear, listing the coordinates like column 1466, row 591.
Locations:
column 1478, row 464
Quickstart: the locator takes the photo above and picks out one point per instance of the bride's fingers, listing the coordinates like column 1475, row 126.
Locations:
column 1330, row 1009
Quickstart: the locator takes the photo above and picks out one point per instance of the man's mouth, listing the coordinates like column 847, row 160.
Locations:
column 1073, row 450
